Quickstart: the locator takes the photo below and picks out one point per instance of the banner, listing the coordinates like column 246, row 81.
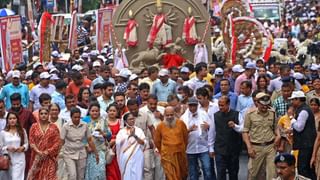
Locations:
column 73, row 33
column 30, row 15
column 57, row 28
column 104, row 18
column 11, row 44
column 45, row 24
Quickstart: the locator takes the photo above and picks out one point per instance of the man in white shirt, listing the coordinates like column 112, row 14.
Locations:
column 155, row 113
column 197, row 122
column 204, row 103
column 107, row 96
column 65, row 113
column 198, row 81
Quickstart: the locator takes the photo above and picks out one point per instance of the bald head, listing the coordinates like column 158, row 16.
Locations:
column 169, row 116
column 169, row 110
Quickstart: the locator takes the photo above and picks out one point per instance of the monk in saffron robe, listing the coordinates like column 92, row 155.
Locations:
column 171, row 137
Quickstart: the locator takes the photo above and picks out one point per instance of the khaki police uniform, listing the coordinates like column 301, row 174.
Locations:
column 261, row 128
column 143, row 121
column 298, row 177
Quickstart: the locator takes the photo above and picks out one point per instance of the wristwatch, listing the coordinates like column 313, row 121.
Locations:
column 135, row 136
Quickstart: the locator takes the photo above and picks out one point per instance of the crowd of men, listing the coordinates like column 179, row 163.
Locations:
column 262, row 107
column 219, row 110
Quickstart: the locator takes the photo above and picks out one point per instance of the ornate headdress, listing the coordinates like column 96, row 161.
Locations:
column 159, row 4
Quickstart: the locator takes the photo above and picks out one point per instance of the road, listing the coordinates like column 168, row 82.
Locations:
column 243, row 164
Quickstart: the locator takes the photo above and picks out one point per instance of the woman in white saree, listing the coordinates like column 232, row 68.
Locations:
column 130, row 145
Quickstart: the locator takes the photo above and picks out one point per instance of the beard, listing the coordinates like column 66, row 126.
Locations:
column 15, row 109
column 170, row 122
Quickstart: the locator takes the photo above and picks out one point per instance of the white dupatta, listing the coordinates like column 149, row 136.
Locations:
column 130, row 154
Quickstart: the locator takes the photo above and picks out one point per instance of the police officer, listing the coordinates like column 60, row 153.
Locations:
column 285, row 164
column 261, row 137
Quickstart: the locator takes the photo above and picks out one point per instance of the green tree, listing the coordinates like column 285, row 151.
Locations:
column 90, row 5
column 3, row 3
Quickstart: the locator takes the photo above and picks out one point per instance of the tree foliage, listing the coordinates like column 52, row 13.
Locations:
column 90, row 5
column 3, row 3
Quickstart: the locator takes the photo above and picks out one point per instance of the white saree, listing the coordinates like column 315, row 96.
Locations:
column 130, row 154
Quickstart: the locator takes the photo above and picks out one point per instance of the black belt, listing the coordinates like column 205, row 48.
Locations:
column 263, row 144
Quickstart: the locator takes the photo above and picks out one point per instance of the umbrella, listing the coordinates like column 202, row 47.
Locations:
column 6, row 12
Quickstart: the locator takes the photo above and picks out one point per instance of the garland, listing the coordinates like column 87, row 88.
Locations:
column 205, row 31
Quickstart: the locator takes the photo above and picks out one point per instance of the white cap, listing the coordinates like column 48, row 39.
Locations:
column 298, row 75
column 53, row 70
column 133, row 77
column 45, row 75
column 80, row 60
column 297, row 94
column 56, row 54
column 104, row 51
column 77, row 67
column 85, row 48
column 237, row 68
column 9, row 75
column 314, row 67
column 247, row 60
column 184, row 70
column 16, row 74
column 124, row 73
column 163, row 72
column 35, row 65
column 35, row 58
column 84, row 55
column 96, row 63
column 218, row 71
column 29, row 73
column 251, row 65
column 94, row 53
column 101, row 57
column 54, row 77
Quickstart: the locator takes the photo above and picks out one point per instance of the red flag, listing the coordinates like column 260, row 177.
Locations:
column 44, row 33
column 267, row 52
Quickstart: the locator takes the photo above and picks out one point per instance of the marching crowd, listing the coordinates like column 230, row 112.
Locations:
column 159, row 123
column 86, row 119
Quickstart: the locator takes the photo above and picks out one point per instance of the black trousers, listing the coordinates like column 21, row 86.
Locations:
column 227, row 162
column 304, row 169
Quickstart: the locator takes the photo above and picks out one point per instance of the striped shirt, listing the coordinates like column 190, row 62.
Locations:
column 82, row 35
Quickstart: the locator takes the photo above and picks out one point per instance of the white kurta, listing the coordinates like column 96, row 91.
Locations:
column 18, row 161
column 200, row 53
column 130, row 154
